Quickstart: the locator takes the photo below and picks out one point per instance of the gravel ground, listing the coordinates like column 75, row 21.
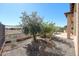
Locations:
column 66, row 47
column 68, row 51
column 19, row 51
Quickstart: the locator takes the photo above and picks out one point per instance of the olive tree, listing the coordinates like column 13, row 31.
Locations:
column 31, row 24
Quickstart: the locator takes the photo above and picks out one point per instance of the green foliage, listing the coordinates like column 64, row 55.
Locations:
column 65, row 27
column 31, row 23
column 47, row 29
column 60, row 29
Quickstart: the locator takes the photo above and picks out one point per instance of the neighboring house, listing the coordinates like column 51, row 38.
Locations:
column 71, row 20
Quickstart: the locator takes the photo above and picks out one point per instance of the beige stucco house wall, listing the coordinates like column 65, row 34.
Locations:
column 71, row 21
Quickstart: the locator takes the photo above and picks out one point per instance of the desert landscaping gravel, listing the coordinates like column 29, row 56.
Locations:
column 66, row 49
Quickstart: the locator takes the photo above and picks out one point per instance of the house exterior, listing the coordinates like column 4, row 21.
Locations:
column 71, row 20
column 73, row 25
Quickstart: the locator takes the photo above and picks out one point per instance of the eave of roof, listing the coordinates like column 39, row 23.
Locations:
column 68, row 13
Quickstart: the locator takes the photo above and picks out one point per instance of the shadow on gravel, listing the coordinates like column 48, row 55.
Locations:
column 64, row 41
column 43, row 48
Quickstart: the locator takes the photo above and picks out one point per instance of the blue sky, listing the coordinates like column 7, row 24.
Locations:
column 10, row 13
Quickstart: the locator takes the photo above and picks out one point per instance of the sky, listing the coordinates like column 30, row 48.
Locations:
column 50, row 12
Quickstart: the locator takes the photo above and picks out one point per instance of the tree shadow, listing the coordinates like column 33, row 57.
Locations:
column 63, row 40
column 43, row 48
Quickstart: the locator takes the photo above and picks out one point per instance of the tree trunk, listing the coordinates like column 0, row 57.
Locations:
column 34, row 37
column 44, row 35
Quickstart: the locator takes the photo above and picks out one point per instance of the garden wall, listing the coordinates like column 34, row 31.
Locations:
column 2, row 34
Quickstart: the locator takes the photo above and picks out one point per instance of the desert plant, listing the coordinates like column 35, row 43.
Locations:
column 59, row 29
column 47, row 29
column 31, row 24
